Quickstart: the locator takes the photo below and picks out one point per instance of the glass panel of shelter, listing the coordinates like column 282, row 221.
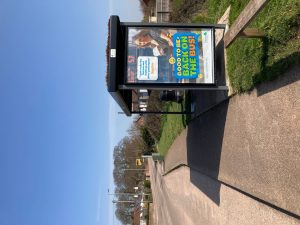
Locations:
column 140, row 99
column 155, row 102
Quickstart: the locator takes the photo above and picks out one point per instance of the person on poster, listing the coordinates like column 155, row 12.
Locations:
column 158, row 40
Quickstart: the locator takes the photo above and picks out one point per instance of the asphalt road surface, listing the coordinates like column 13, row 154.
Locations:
column 242, row 161
column 178, row 201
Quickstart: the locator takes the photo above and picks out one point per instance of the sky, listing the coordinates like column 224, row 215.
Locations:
column 58, row 125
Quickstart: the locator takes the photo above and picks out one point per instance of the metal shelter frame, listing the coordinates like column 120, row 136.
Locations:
column 118, row 87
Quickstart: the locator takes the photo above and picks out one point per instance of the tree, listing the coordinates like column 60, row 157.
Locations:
column 124, row 155
column 153, row 121
column 148, row 139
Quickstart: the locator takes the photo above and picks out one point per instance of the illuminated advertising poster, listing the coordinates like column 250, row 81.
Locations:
column 159, row 55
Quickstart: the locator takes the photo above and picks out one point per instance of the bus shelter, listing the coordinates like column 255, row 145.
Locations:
column 167, row 58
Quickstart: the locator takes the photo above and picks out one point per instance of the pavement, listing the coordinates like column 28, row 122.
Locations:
column 152, row 216
column 249, row 143
column 178, row 201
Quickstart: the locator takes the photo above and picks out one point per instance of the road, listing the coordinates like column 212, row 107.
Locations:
column 250, row 142
column 242, row 158
column 178, row 201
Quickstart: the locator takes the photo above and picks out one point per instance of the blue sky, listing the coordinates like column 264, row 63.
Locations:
column 58, row 124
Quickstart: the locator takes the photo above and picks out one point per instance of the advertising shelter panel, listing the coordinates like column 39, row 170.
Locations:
column 174, row 55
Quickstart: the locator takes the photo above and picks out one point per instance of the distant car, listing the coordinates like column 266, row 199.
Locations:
column 171, row 95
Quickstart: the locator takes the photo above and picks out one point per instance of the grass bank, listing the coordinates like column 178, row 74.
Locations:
column 249, row 61
column 172, row 125
column 252, row 61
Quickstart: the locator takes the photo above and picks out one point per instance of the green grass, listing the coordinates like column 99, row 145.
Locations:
column 176, row 4
column 252, row 61
column 249, row 61
column 172, row 125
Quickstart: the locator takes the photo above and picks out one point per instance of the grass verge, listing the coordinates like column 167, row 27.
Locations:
column 250, row 61
column 172, row 125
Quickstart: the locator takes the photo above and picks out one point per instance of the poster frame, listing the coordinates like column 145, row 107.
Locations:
column 136, row 25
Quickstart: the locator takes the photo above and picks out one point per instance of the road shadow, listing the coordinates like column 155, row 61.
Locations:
column 204, row 100
column 288, row 76
column 204, row 145
column 207, row 186
column 206, row 130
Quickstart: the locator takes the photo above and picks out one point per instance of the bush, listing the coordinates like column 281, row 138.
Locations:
column 147, row 138
column 147, row 184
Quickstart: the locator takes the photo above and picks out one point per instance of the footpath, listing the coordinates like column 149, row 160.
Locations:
column 178, row 200
column 251, row 143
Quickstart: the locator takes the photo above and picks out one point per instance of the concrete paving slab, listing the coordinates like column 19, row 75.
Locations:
column 179, row 201
column 251, row 142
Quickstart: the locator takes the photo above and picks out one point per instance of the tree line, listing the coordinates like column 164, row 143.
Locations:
column 141, row 140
